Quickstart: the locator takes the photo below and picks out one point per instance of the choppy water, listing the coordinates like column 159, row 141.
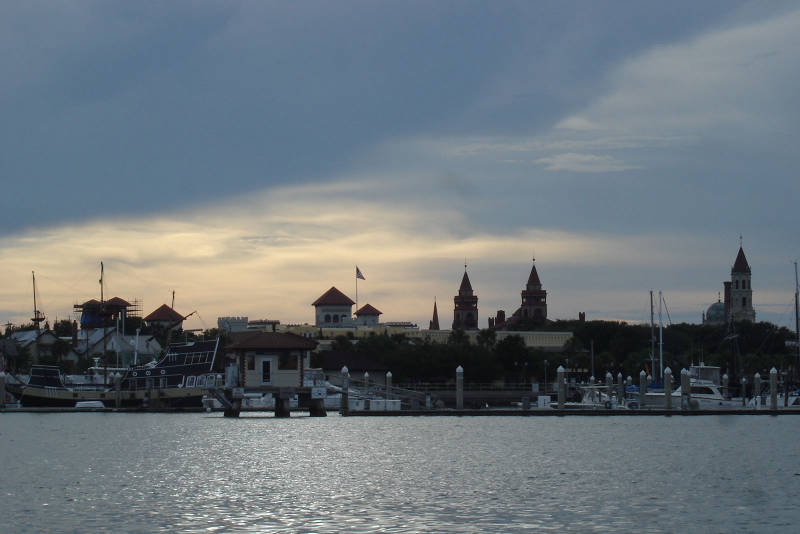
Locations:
column 203, row 473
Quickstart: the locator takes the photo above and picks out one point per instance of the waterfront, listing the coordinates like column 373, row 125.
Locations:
column 201, row 472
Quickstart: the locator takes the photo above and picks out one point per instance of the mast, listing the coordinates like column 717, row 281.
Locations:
column 660, row 338
column 652, row 337
column 796, row 316
column 38, row 317
column 103, row 321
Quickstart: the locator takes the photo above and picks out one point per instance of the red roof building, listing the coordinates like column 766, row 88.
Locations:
column 273, row 359
column 333, row 308
column 333, row 297
column 367, row 315
column 164, row 314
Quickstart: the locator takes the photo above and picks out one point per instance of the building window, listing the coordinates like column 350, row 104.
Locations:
column 744, row 302
column 287, row 362
column 327, row 317
column 251, row 363
column 736, row 284
column 266, row 371
column 335, row 318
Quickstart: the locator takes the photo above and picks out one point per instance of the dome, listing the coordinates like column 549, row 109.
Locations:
column 715, row 313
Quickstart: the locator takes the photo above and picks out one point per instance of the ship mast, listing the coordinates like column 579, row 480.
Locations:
column 652, row 337
column 103, row 321
column 797, row 315
column 660, row 339
column 38, row 316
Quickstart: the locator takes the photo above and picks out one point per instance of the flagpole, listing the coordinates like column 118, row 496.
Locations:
column 356, row 287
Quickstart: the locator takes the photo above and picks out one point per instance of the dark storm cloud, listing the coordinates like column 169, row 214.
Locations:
column 125, row 108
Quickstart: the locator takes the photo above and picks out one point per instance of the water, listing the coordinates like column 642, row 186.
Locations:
column 203, row 473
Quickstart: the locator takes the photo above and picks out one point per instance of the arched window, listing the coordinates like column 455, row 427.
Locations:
column 327, row 317
column 736, row 283
column 335, row 318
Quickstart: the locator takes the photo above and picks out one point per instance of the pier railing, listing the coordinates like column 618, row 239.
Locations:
column 367, row 389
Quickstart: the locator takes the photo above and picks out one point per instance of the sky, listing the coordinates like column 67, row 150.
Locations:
column 248, row 155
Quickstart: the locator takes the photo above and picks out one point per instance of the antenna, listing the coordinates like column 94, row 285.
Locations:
column 173, row 299
column 740, row 240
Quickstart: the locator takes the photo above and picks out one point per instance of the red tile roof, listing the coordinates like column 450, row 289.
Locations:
column 333, row 297
column 118, row 302
column 273, row 341
column 368, row 309
column 91, row 303
column 164, row 314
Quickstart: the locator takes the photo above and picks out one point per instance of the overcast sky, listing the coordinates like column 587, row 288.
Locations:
column 249, row 154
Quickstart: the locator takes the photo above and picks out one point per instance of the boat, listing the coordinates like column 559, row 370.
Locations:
column 178, row 380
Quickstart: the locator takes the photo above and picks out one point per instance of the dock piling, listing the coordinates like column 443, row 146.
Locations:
column 562, row 386
column 757, row 391
column 459, row 388
column 345, row 407
column 609, row 387
column 642, row 387
column 744, row 391
column 117, row 385
column 668, row 388
column 773, row 389
column 686, row 390
column 620, row 390
column 388, row 385
column 2, row 390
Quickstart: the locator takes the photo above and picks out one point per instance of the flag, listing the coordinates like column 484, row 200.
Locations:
column 358, row 273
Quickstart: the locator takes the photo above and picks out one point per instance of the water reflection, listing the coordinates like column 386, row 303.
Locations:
column 203, row 473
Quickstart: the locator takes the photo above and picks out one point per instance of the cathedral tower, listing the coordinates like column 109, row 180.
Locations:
column 434, row 324
column 534, row 298
column 739, row 292
column 465, row 313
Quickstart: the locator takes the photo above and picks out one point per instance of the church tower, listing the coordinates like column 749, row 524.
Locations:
column 739, row 292
column 465, row 314
column 534, row 298
column 434, row 324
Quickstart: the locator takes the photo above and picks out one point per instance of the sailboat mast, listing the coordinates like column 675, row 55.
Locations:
column 38, row 317
column 652, row 336
column 35, row 308
column 797, row 313
column 103, row 320
column 660, row 338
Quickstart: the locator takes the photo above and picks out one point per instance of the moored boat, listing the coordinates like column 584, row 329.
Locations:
column 179, row 379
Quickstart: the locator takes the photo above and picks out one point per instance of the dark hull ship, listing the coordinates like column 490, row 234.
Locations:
column 178, row 380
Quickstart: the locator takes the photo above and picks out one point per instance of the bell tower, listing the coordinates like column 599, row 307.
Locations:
column 465, row 312
column 534, row 298
column 739, row 294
